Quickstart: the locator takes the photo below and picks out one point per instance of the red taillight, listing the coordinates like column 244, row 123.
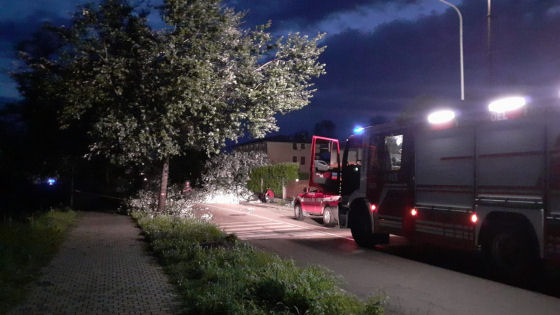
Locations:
column 413, row 212
column 474, row 218
column 373, row 208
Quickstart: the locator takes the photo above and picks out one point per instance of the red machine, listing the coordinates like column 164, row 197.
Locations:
column 320, row 200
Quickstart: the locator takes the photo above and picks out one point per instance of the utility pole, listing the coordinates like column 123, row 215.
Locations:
column 489, row 45
column 460, row 47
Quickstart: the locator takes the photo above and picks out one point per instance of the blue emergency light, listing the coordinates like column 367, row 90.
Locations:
column 359, row 130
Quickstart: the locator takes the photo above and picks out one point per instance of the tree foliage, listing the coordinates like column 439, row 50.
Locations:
column 199, row 81
column 146, row 95
column 48, row 149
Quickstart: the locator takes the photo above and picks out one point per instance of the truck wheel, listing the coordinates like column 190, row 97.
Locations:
column 298, row 214
column 360, row 226
column 509, row 253
column 328, row 217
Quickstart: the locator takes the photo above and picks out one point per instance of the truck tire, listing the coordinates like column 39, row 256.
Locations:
column 510, row 253
column 298, row 214
column 328, row 217
column 360, row 226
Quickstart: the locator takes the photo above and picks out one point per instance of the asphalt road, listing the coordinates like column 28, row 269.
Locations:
column 412, row 280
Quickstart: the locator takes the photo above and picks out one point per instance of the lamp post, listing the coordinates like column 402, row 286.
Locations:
column 489, row 44
column 460, row 47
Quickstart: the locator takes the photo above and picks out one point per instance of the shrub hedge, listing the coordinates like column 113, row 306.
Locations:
column 272, row 177
column 215, row 273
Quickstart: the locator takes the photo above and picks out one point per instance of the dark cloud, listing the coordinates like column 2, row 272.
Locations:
column 299, row 14
column 396, row 53
column 389, row 69
column 304, row 12
column 12, row 33
column 15, row 31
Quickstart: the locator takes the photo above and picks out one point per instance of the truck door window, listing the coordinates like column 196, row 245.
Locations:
column 393, row 149
column 326, row 164
column 351, row 165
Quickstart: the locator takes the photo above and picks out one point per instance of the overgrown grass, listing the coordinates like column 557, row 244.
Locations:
column 25, row 247
column 215, row 273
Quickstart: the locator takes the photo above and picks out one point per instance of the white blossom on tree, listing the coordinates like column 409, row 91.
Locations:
column 228, row 173
column 201, row 80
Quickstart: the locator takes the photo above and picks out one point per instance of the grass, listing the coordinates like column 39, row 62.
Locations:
column 215, row 273
column 284, row 202
column 25, row 247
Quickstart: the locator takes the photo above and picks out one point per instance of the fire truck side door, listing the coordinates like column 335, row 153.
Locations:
column 352, row 165
column 395, row 178
column 325, row 165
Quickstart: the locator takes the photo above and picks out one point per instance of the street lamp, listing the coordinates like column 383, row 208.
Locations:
column 460, row 47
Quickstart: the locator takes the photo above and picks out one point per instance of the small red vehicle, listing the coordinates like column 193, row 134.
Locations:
column 320, row 199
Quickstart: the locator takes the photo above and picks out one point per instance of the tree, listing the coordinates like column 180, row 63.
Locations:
column 301, row 136
column 196, row 83
column 325, row 128
column 48, row 147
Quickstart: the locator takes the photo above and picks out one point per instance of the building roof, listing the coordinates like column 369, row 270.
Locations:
column 277, row 138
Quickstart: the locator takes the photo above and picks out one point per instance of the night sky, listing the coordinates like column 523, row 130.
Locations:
column 382, row 56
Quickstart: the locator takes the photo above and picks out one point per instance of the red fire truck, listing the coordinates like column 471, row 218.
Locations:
column 488, row 181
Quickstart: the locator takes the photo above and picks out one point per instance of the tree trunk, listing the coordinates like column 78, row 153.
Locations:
column 72, row 188
column 163, row 187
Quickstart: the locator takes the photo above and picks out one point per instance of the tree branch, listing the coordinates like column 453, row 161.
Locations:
column 266, row 64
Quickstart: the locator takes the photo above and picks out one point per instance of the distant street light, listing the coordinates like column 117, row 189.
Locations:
column 460, row 47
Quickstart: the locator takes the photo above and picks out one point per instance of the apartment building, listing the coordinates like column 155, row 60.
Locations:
column 281, row 149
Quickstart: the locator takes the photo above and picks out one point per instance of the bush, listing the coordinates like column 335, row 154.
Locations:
column 272, row 177
column 178, row 204
column 215, row 273
column 225, row 181
column 229, row 172
column 25, row 247
column 146, row 201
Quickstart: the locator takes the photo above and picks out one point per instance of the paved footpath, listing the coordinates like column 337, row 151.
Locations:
column 101, row 268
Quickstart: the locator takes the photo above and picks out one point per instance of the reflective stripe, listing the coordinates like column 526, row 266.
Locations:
column 392, row 217
column 390, row 224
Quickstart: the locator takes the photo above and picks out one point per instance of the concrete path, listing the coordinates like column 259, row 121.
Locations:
column 101, row 268
column 412, row 286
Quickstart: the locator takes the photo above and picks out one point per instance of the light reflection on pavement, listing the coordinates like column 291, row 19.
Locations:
column 247, row 224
